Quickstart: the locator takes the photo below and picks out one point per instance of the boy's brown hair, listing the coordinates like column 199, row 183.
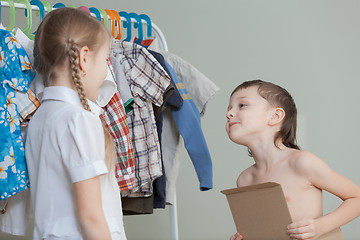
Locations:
column 278, row 97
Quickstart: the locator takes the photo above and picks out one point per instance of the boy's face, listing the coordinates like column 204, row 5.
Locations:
column 247, row 116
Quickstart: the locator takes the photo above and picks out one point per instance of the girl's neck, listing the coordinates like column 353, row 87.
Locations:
column 63, row 78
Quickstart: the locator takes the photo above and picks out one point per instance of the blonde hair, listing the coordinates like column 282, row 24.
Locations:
column 58, row 40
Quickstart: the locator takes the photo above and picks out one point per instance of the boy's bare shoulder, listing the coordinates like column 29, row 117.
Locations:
column 304, row 162
column 246, row 177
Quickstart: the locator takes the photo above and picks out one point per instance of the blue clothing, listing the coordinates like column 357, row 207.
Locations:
column 16, row 74
column 172, row 99
column 187, row 120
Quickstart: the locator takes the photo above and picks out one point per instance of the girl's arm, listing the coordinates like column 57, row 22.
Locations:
column 90, row 212
column 323, row 177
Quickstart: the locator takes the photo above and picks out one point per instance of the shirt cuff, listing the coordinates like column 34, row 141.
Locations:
column 81, row 173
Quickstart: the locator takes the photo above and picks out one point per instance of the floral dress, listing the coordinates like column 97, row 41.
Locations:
column 15, row 75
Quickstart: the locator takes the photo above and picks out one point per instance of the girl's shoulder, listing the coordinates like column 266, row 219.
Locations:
column 83, row 122
column 58, row 118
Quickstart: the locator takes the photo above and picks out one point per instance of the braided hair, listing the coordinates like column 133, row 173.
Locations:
column 58, row 40
column 76, row 73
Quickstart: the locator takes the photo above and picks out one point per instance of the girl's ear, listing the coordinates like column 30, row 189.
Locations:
column 84, row 58
column 277, row 116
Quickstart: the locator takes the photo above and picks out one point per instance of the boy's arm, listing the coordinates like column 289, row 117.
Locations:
column 323, row 177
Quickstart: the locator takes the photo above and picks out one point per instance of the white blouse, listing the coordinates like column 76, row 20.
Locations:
column 64, row 145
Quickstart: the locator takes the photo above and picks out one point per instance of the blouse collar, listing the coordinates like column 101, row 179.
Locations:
column 68, row 95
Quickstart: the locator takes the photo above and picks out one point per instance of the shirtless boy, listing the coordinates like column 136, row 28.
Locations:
column 262, row 117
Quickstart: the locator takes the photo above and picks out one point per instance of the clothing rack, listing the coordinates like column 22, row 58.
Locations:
column 163, row 46
column 158, row 33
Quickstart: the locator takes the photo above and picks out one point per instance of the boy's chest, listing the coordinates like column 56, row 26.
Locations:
column 292, row 184
column 302, row 197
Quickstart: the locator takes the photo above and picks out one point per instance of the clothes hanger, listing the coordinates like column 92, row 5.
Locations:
column 41, row 7
column 47, row 6
column 27, row 30
column 85, row 9
column 112, row 21
column 115, row 17
column 104, row 17
column 59, row 5
column 12, row 15
column 148, row 23
column 118, row 21
column 127, row 25
column 96, row 12
column 137, row 25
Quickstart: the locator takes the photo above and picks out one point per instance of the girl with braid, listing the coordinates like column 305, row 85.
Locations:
column 70, row 156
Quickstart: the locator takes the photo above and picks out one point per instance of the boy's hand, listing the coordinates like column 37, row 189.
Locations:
column 237, row 236
column 305, row 229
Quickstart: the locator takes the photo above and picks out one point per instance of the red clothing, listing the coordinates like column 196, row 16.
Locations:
column 114, row 119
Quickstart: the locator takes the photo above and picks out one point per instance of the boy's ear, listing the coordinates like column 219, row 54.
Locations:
column 277, row 116
column 83, row 58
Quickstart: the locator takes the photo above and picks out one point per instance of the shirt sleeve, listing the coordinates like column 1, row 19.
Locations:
column 83, row 147
column 199, row 86
column 147, row 78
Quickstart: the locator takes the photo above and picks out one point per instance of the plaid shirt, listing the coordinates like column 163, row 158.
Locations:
column 114, row 119
column 27, row 104
column 148, row 81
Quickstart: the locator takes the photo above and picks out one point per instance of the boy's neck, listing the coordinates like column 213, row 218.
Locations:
column 266, row 155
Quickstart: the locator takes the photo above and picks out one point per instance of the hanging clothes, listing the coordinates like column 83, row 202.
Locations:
column 32, row 95
column 27, row 103
column 200, row 88
column 114, row 119
column 137, row 205
column 18, row 214
column 122, row 84
column 18, row 209
column 108, row 87
column 171, row 98
column 187, row 120
column 16, row 75
column 148, row 82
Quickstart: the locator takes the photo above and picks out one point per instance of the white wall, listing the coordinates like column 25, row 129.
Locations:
column 309, row 47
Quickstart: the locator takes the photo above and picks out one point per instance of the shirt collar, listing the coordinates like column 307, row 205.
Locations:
column 68, row 95
column 107, row 88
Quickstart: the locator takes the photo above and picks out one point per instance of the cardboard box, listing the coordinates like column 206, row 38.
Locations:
column 260, row 212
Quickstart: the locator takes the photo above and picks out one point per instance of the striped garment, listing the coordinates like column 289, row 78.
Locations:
column 114, row 119
column 148, row 81
column 26, row 104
